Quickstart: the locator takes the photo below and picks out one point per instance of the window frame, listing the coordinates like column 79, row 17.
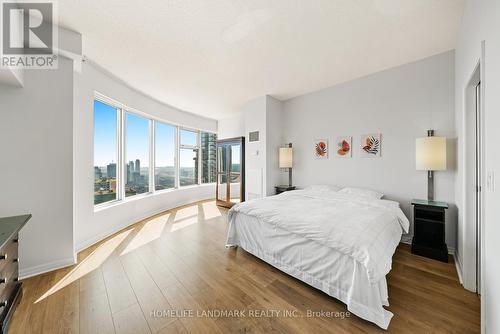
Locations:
column 176, row 172
column 118, row 149
column 193, row 147
column 121, row 111
column 124, row 143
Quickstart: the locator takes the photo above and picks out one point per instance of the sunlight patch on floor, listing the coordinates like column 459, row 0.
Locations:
column 210, row 210
column 151, row 230
column 90, row 263
column 190, row 211
column 179, row 225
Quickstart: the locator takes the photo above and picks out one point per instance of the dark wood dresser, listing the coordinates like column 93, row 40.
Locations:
column 10, row 287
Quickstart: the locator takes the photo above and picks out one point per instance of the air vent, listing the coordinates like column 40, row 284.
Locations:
column 253, row 136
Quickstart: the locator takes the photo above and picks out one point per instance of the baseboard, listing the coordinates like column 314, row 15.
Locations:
column 46, row 267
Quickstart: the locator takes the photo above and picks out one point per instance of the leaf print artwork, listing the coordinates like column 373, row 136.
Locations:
column 321, row 149
column 371, row 145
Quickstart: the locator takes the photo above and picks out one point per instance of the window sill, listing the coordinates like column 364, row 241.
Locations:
column 112, row 204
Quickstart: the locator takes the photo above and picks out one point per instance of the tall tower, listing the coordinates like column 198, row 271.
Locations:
column 130, row 171
column 111, row 170
column 138, row 165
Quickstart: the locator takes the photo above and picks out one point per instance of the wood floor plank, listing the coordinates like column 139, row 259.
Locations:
column 177, row 261
column 120, row 293
column 131, row 320
column 181, row 300
column 176, row 327
column 95, row 312
column 147, row 292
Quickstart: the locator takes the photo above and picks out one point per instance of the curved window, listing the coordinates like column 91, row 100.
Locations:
column 137, row 155
column 105, row 152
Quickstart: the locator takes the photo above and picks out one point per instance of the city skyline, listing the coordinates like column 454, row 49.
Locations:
column 137, row 139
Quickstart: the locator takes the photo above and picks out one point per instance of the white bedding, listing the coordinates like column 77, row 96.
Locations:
column 338, row 243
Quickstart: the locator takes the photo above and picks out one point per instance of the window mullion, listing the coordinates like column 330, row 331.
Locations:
column 177, row 155
column 199, row 158
column 121, row 154
column 152, row 156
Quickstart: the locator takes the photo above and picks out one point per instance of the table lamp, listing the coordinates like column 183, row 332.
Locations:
column 286, row 160
column 430, row 156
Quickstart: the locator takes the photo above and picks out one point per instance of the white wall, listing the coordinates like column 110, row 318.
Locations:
column 401, row 104
column 37, row 165
column 91, row 226
column 254, row 115
column 231, row 127
column 481, row 22
column 274, row 135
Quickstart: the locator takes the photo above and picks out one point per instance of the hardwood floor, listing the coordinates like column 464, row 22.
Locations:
column 177, row 262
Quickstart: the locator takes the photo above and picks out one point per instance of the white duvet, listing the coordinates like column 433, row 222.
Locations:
column 352, row 227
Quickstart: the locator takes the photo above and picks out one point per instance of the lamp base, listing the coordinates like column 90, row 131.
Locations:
column 430, row 185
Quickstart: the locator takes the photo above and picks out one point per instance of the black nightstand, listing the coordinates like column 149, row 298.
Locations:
column 429, row 229
column 280, row 189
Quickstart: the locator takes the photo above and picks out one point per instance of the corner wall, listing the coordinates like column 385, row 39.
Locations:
column 36, row 137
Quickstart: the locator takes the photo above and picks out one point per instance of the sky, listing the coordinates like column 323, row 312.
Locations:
column 137, row 137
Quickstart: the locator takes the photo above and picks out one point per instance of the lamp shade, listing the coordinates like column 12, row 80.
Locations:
column 431, row 153
column 285, row 157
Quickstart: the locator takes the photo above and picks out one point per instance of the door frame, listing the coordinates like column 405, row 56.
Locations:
column 228, row 203
column 473, row 244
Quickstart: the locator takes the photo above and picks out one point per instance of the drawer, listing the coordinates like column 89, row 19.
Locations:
column 8, row 275
column 9, row 251
column 6, row 294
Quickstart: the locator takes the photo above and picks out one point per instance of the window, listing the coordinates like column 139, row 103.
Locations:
column 188, row 158
column 208, row 157
column 134, row 154
column 164, row 156
column 137, row 155
column 105, row 152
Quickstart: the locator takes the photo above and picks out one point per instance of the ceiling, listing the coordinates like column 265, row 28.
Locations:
column 210, row 57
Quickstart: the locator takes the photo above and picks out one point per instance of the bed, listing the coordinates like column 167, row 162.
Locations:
column 338, row 241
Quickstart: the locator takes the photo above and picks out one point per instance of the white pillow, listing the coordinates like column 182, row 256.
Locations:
column 322, row 187
column 361, row 192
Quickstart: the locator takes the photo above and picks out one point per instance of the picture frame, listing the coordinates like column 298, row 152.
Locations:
column 320, row 149
column 371, row 145
column 343, row 147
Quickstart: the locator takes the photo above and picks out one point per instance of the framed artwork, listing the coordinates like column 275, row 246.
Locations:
column 343, row 147
column 321, row 148
column 371, row 145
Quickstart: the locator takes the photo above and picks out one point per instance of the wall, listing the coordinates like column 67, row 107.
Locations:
column 481, row 22
column 231, row 127
column 37, row 165
column 90, row 225
column 401, row 104
column 254, row 115
column 274, row 135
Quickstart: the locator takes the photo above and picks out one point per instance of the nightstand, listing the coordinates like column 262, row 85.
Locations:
column 280, row 189
column 429, row 229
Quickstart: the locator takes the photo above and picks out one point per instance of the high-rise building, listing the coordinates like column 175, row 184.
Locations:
column 138, row 165
column 111, row 170
column 208, row 157
column 130, row 171
column 97, row 173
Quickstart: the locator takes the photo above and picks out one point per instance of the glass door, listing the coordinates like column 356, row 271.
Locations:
column 230, row 171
